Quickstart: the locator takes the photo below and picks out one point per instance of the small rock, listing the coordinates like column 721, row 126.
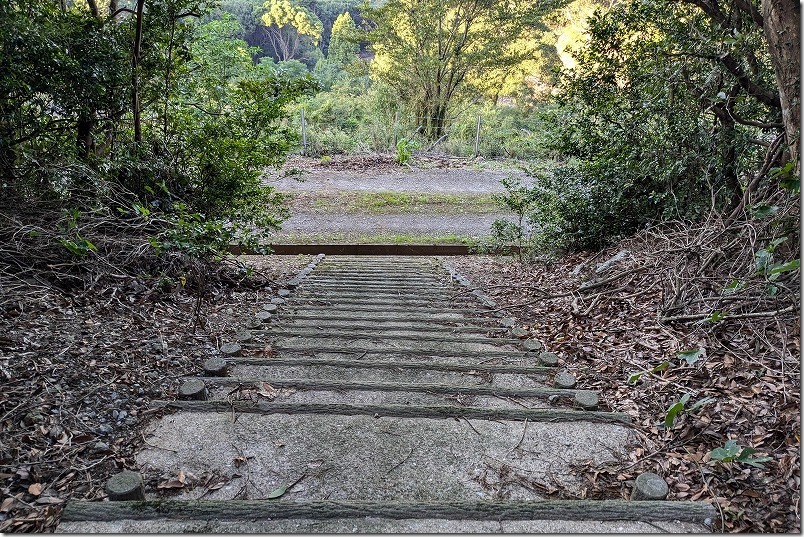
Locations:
column 532, row 345
column 587, row 400
column 549, row 359
column 100, row 447
column 253, row 323
column 231, row 349
column 520, row 333
column 126, row 485
column 215, row 367
column 277, row 300
column 564, row 379
column 105, row 429
column 270, row 308
column 507, row 322
column 649, row 486
column 263, row 316
column 131, row 420
column 193, row 389
column 122, row 415
column 243, row 336
column 284, row 293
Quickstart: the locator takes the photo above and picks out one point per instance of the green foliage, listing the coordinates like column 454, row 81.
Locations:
column 691, row 356
column 404, row 150
column 519, row 200
column 289, row 25
column 343, row 45
column 433, row 53
column 658, row 124
column 680, row 406
column 211, row 122
column 732, row 452
column 661, row 367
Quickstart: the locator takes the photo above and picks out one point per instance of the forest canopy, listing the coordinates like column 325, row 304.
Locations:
column 628, row 112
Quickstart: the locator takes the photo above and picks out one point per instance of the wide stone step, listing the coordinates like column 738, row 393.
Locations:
column 387, row 310
column 378, row 376
column 441, row 319
column 356, row 279
column 384, row 334
column 379, row 292
column 330, row 299
column 462, row 355
column 388, row 344
column 392, row 362
column 357, row 385
column 523, row 511
column 348, row 324
column 376, row 456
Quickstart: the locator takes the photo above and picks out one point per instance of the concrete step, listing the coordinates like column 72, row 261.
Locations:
column 390, row 310
column 362, row 291
column 389, row 344
column 332, row 299
column 319, row 384
column 393, row 362
column 412, row 334
column 347, row 324
column 324, row 350
column 440, row 319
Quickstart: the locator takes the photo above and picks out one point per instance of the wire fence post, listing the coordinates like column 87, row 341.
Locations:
column 303, row 133
column 396, row 127
column 477, row 137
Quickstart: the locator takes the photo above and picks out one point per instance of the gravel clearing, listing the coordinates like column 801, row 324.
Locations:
column 378, row 173
column 326, row 225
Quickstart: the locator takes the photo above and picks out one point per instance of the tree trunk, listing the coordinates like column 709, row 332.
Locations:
column 84, row 141
column 781, row 25
column 135, row 65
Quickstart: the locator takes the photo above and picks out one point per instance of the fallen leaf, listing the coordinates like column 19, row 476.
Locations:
column 49, row 500
column 276, row 493
column 35, row 489
column 5, row 507
column 170, row 484
column 268, row 391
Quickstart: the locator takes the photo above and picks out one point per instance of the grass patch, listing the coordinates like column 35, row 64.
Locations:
column 376, row 238
column 392, row 203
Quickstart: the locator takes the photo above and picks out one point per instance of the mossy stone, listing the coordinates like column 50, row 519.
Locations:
column 126, row 485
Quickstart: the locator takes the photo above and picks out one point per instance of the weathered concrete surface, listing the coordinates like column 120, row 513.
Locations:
column 377, row 525
column 348, row 451
column 360, row 457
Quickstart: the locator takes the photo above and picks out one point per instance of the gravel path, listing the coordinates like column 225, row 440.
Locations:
column 452, row 181
column 468, row 225
column 378, row 175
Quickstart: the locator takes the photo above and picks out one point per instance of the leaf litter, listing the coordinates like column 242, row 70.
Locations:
column 79, row 371
column 735, row 440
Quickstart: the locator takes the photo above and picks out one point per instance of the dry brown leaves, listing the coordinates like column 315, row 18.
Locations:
column 78, row 374
column 750, row 366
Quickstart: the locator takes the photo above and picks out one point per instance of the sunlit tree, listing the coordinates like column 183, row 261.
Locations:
column 289, row 24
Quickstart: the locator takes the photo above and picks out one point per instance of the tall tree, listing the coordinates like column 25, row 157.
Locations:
column 429, row 50
column 343, row 45
column 288, row 25
column 781, row 20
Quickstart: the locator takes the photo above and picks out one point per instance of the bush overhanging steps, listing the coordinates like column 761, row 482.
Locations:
column 380, row 394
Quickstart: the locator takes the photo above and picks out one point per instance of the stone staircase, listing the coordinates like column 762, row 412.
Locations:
column 379, row 395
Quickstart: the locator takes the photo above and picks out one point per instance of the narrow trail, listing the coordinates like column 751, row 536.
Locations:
column 380, row 394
